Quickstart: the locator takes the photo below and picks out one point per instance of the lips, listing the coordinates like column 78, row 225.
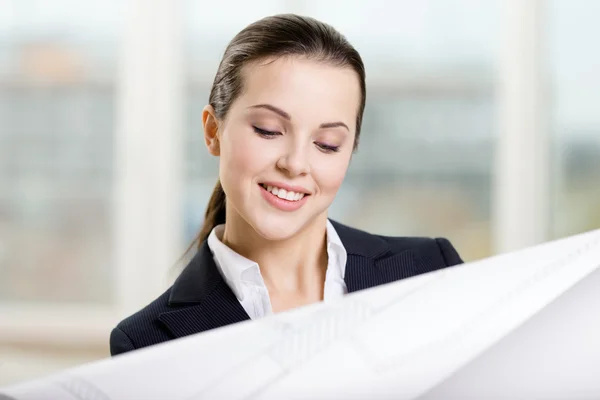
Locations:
column 280, row 200
column 282, row 193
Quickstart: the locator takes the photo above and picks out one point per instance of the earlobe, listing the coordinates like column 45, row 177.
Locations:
column 211, row 130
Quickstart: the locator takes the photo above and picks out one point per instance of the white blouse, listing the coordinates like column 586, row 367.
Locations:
column 245, row 280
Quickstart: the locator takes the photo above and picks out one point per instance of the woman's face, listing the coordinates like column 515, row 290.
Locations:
column 286, row 143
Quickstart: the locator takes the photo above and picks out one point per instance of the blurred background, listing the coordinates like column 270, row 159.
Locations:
column 482, row 126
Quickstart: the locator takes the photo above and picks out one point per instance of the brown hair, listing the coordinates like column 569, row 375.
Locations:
column 275, row 36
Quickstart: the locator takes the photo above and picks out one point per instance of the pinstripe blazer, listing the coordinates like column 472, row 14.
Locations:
column 200, row 299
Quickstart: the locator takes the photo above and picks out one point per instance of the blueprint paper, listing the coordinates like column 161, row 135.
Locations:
column 398, row 341
column 553, row 355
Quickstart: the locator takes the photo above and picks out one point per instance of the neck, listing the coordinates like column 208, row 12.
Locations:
column 295, row 264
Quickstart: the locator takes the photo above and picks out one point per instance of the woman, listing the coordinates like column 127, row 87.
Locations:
column 284, row 118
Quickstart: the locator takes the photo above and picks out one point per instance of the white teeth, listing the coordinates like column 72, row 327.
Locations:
column 284, row 194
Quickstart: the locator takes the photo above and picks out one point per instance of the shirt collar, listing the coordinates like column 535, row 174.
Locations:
column 337, row 251
column 233, row 265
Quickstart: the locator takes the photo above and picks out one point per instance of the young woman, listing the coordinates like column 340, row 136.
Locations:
column 284, row 118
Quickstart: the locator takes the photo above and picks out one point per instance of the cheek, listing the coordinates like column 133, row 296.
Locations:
column 330, row 175
column 244, row 154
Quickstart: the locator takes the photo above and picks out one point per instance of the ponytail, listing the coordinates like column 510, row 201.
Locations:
column 214, row 215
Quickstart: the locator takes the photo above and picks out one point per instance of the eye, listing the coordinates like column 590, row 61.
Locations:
column 327, row 148
column 265, row 133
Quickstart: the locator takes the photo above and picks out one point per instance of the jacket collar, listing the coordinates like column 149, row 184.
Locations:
column 197, row 280
column 201, row 300
column 371, row 260
column 360, row 243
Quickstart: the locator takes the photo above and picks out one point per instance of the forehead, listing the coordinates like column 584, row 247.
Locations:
column 306, row 89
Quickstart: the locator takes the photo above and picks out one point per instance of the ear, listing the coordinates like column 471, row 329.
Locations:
column 211, row 130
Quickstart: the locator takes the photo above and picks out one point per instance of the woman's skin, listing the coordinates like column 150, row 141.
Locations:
column 293, row 125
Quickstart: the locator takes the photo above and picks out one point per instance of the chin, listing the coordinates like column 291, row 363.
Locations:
column 275, row 232
column 277, row 228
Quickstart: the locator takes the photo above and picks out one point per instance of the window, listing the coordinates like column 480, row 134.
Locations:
column 574, row 122
column 57, row 99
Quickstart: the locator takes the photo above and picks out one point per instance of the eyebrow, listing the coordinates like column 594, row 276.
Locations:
column 334, row 125
column 287, row 116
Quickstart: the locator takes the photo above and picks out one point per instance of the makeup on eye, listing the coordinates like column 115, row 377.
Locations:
column 265, row 132
column 268, row 134
column 327, row 148
column 330, row 142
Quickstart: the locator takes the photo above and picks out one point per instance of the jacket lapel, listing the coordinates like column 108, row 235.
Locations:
column 371, row 261
column 200, row 299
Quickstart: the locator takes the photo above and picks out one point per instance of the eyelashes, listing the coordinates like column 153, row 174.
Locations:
column 325, row 148
column 263, row 132
column 328, row 149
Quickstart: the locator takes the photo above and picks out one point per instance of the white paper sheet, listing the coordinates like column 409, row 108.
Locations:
column 394, row 341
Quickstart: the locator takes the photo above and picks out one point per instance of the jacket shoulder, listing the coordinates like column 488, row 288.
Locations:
column 434, row 250
column 142, row 328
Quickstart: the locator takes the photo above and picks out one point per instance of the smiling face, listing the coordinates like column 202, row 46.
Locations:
column 285, row 144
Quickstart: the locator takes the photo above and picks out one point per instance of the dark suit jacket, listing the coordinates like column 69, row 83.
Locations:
column 200, row 299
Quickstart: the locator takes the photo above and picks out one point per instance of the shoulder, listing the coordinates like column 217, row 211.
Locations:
column 425, row 247
column 142, row 328
column 430, row 249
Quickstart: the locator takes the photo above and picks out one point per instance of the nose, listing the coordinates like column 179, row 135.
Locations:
column 294, row 162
